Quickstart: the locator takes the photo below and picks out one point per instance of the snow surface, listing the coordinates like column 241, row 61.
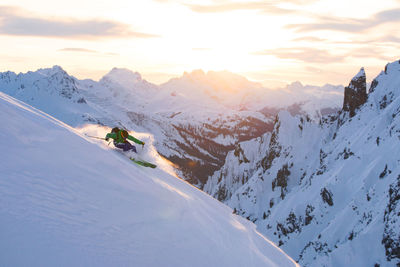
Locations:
column 66, row 201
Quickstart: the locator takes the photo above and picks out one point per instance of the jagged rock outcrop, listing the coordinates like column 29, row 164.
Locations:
column 355, row 95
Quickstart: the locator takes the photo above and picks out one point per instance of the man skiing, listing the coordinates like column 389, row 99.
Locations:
column 120, row 139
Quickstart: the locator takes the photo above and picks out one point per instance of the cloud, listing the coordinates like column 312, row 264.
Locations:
column 84, row 50
column 309, row 39
column 318, row 56
column 14, row 21
column 389, row 39
column 347, row 24
column 75, row 49
column 238, row 6
column 201, row 49
column 375, row 41
column 368, row 52
column 305, row 54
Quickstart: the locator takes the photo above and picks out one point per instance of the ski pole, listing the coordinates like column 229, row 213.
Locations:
column 95, row 137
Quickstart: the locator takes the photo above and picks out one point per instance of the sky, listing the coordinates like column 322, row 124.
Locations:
column 272, row 42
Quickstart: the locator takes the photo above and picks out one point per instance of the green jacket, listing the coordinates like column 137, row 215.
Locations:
column 118, row 138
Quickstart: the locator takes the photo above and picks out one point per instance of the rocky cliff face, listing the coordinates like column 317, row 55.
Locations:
column 327, row 195
column 355, row 95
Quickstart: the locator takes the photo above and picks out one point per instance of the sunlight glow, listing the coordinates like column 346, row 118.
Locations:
column 273, row 43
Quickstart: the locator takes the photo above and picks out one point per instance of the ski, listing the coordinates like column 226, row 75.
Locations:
column 143, row 163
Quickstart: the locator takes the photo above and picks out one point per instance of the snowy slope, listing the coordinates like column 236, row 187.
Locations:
column 65, row 201
column 328, row 193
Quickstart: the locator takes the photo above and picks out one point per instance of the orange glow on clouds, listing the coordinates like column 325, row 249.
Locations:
column 273, row 42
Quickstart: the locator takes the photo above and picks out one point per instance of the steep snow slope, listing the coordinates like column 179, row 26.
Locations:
column 328, row 193
column 65, row 201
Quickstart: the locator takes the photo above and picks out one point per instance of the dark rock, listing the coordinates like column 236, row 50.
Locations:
column 308, row 217
column 385, row 172
column 239, row 153
column 275, row 148
column 391, row 234
column 355, row 95
column 374, row 84
column 221, row 194
column 81, row 100
column 327, row 196
column 291, row 225
column 281, row 180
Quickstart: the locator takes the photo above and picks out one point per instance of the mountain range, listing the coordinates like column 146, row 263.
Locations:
column 195, row 119
column 315, row 168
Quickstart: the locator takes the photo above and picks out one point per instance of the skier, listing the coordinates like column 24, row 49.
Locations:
column 120, row 139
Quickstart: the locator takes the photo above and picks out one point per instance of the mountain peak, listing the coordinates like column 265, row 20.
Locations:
column 51, row 71
column 295, row 85
column 199, row 73
column 57, row 68
column 218, row 81
column 123, row 77
column 123, row 74
column 355, row 95
column 361, row 74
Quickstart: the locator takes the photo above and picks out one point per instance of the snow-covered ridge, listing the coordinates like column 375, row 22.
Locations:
column 65, row 201
column 51, row 90
column 327, row 192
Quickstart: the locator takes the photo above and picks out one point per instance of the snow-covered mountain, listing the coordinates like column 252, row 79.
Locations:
column 51, row 90
column 237, row 93
column 67, row 201
column 327, row 192
column 196, row 119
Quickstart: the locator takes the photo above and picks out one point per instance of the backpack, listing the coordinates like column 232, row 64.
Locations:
column 123, row 133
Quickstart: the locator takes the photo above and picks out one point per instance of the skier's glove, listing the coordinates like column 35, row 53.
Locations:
column 107, row 138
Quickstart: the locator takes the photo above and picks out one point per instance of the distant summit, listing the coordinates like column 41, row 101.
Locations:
column 217, row 81
column 124, row 83
column 123, row 76
column 121, row 73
